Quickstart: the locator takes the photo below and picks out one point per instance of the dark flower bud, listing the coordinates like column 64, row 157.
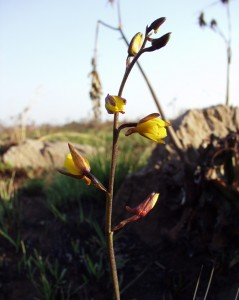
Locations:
column 213, row 23
column 155, row 25
column 158, row 43
column 201, row 20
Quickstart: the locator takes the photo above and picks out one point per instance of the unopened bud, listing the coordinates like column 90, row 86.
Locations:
column 140, row 211
column 213, row 23
column 201, row 20
column 114, row 104
column 77, row 161
column 144, row 207
column 135, row 44
column 155, row 25
column 158, row 43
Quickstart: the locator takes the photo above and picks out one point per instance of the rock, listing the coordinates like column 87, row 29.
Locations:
column 193, row 128
column 197, row 125
column 36, row 154
column 166, row 174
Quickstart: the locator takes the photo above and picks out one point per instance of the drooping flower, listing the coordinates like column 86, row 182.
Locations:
column 114, row 104
column 151, row 127
column 140, row 211
column 78, row 167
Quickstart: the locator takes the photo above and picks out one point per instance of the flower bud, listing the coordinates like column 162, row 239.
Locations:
column 155, row 25
column 140, row 211
column 213, row 24
column 78, row 167
column 114, row 104
column 77, row 160
column 144, row 207
column 201, row 20
column 135, row 44
column 151, row 127
column 158, row 43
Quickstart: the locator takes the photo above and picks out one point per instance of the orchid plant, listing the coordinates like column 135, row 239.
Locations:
column 151, row 127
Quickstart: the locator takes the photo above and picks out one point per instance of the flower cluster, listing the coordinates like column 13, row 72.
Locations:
column 151, row 127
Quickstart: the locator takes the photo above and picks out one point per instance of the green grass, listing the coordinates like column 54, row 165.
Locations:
column 75, row 137
column 132, row 157
column 75, row 208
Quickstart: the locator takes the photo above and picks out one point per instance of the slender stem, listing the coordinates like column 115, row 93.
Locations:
column 109, row 204
column 209, row 283
column 110, row 193
column 176, row 142
column 125, row 125
column 198, row 281
column 229, row 54
column 96, row 43
column 228, row 75
column 108, row 26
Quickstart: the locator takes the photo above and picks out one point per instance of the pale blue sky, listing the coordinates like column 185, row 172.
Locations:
column 46, row 48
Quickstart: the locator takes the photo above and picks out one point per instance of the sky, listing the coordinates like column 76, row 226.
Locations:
column 46, row 47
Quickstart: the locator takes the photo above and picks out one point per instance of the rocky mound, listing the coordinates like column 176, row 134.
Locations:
column 39, row 155
column 199, row 197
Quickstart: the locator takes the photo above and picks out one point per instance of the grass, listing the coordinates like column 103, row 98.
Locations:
column 52, row 233
column 71, row 207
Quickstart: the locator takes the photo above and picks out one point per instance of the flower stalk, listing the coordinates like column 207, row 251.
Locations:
column 138, row 50
column 151, row 127
column 110, row 193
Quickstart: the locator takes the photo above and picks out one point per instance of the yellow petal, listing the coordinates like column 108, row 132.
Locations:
column 153, row 137
column 114, row 104
column 153, row 129
column 70, row 166
column 88, row 181
column 135, row 44
column 80, row 162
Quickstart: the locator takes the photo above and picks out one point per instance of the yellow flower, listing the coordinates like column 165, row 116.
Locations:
column 77, row 165
column 135, row 44
column 151, row 127
column 114, row 104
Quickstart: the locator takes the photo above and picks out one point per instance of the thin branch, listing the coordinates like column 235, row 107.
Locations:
column 237, row 294
column 119, row 15
column 209, row 283
column 198, row 281
column 107, row 25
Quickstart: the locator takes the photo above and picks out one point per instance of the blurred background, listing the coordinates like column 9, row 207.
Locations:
column 46, row 49
column 54, row 70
